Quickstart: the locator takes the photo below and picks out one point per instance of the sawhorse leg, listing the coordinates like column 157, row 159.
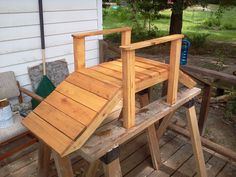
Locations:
column 153, row 141
column 92, row 170
column 154, row 147
column 63, row 165
column 44, row 154
column 111, row 163
column 195, row 138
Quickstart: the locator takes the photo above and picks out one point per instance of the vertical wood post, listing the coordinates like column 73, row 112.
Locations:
column 63, row 165
column 174, row 71
column 195, row 139
column 206, row 96
column 79, row 53
column 128, row 62
column 43, row 160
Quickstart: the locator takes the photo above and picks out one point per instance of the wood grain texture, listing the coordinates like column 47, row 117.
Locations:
column 72, row 108
column 128, row 67
column 196, row 141
column 79, row 53
column 64, row 123
column 47, row 133
column 174, row 71
column 87, row 83
column 82, row 96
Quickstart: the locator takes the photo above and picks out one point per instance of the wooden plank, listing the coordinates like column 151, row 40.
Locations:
column 151, row 42
column 187, row 168
column 174, row 71
column 102, row 77
column 44, row 131
column 43, row 160
column 67, row 125
column 94, row 125
column 118, row 67
column 72, row 108
column 196, row 141
column 88, row 83
column 138, row 69
column 79, row 53
column 128, row 60
column 228, row 171
column 211, row 73
column 82, row 96
column 110, row 72
column 101, row 32
column 112, row 169
column 153, row 144
column 177, row 159
column 215, row 165
column 152, row 62
column 151, row 81
column 63, row 165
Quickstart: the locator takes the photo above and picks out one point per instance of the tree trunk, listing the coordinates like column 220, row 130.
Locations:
column 176, row 23
column 176, row 20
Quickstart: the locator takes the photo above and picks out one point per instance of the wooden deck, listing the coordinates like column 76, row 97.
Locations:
column 176, row 155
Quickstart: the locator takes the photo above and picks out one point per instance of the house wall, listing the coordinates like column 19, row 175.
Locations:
column 20, row 45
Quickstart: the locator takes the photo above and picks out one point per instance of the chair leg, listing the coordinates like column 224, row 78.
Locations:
column 44, row 154
column 153, row 144
column 63, row 165
column 195, row 139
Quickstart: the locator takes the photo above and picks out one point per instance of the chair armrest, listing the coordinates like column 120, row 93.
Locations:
column 31, row 94
column 101, row 32
column 148, row 43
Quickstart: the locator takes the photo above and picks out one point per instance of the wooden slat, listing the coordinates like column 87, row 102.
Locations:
column 186, row 80
column 110, row 72
column 151, row 42
column 152, row 62
column 146, row 69
column 101, row 77
column 59, row 120
column 88, row 83
column 50, row 135
column 151, row 81
column 118, row 67
column 70, row 107
column 82, row 96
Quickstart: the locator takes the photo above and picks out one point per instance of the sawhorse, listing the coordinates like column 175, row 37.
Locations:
column 105, row 147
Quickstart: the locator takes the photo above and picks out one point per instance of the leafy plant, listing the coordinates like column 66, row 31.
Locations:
column 198, row 40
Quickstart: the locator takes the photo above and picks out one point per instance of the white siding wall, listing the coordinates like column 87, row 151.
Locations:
column 20, row 45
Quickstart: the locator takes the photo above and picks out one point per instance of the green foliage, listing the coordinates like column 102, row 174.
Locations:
column 198, row 40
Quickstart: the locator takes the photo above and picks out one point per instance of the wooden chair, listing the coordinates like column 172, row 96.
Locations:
column 10, row 89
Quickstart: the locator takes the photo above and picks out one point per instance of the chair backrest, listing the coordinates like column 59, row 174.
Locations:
column 8, row 85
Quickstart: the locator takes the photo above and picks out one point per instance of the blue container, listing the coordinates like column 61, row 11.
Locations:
column 184, row 52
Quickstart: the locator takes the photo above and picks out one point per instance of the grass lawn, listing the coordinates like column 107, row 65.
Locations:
column 194, row 21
